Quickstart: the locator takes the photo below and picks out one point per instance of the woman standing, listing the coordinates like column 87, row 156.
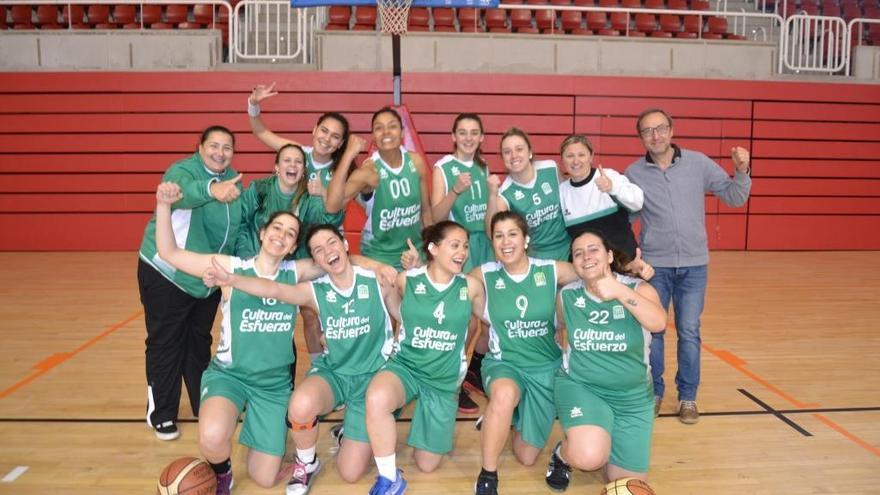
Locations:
column 394, row 192
column 437, row 301
column 359, row 338
column 532, row 190
column 524, row 354
column 604, row 394
column 595, row 198
column 178, row 309
column 460, row 193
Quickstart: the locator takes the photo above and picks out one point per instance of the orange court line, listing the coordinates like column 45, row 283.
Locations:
column 55, row 359
column 858, row 441
column 740, row 364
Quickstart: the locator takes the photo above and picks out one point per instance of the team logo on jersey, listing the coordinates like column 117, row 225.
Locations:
column 580, row 302
column 330, row 297
column 462, row 294
column 420, row 288
column 576, row 412
column 383, row 174
column 518, row 195
column 455, row 171
column 548, row 190
column 617, row 312
column 540, row 279
column 363, row 292
column 412, row 167
column 499, row 284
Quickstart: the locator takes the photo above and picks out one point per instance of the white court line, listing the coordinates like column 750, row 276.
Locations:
column 14, row 474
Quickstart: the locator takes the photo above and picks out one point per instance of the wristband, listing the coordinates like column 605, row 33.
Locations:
column 253, row 110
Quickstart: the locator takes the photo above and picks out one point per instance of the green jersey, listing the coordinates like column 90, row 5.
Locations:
column 469, row 208
column 256, row 332
column 607, row 346
column 260, row 200
column 521, row 311
column 355, row 323
column 433, row 329
column 394, row 212
column 312, row 210
column 538, row 203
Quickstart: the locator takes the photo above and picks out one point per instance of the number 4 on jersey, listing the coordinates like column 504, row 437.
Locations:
column 439, row 313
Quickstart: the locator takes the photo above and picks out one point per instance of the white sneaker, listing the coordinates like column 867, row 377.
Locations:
column 303, row 475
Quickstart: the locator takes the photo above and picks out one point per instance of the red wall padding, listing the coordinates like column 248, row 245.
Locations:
column 81, row 153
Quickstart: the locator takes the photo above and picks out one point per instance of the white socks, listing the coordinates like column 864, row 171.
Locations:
column 387, row 466
column 307, row 456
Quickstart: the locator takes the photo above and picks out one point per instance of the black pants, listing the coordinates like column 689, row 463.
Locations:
column 178, row 342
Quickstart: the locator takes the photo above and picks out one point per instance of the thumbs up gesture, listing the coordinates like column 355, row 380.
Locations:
column 641, row 267
column 410, row 258
column 226, row 191
column 741, row 158
column 216, row 275
column 606, row 287
column 603, row 182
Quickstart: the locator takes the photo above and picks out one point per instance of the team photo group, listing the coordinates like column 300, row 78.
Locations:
column 537, row 270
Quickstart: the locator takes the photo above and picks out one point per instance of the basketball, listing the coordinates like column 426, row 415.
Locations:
column 187, row 476
column 627, row 486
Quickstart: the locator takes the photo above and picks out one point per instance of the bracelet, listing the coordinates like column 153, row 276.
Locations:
column 456, row 192
column 253, row 110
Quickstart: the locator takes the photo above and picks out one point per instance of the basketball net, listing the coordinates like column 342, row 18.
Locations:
column 393, row 15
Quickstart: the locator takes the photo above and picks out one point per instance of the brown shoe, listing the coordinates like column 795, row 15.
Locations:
column 657, row 402
column 687, row 412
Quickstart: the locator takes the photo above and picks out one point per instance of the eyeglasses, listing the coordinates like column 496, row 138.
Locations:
column 660, row 130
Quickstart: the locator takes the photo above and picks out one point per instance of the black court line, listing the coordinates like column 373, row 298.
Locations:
column 767, row 410
column 776, row 413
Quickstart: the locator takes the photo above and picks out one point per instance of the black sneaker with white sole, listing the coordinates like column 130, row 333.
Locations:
column 486, row 485
column 167, row 431
column 558, row 472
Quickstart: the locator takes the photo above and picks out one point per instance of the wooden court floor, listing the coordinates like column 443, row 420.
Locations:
column 790, row 392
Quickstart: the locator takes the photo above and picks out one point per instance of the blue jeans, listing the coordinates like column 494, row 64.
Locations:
column 686, row 287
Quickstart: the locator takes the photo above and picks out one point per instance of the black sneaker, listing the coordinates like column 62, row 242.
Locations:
column 466, row 404
column 167, row 431
column 486, row 485
column 336, row 434
column 558, row 473
column 473, row 383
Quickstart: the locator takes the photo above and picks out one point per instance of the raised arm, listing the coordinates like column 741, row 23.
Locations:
column 565, row 273
column 258, row 128
column 624, row 192
column 422, row 168
column 298, row 295
column 443, row 199
column 344, row 186
column 189, row 262
column 734, row 192
column 494, row 201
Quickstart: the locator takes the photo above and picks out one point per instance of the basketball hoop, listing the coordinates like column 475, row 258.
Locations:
column 393, row 15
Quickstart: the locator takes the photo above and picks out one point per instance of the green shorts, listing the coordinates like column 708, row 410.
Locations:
column 350, row 390
column 534, row 415
column 433, row 422
column 629, row 421
column 265, row 423
column 479, row 251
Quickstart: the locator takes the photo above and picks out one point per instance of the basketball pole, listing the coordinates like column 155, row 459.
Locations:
column 395, row 74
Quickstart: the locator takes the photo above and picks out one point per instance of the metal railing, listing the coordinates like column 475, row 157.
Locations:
column 271, row 30
column 861, row 21
column 71, row 23
column 812, row 43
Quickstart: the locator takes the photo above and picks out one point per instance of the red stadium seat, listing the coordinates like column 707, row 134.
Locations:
column 47, row 16
column 3, row 17
column 684, row 34
column 661, row 34
column 338, row 17
column 74, row 16
column 443, row 18
column 809, row 8
column 609, row 3
column 692, row 24
column 545, row 20
column 537, row 2
column 735, row 37
column 654, row 4
column 677, row 5
column 364, row 18
column 99, row 16
column 585, row 3
column 528, row 30
column 646, row 23
column 22, row 17
column 608, row 32
column 151, row 14
column 717, row 25
column 581, row 32
column 520, row 18
column 495, row 18
column 670, row 23
column 831, row 10
column 418, row 16
column 631, row 4
column 712, row 36
column 636, row 34
column 469, row 20
column 561, row 3
column 203, row 14
column 176, row 14
column 620, row 21
column 597, row 20
column 702, row 5
column 571, row 20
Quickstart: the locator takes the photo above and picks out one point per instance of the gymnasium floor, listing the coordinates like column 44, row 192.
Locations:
column 790, row 396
